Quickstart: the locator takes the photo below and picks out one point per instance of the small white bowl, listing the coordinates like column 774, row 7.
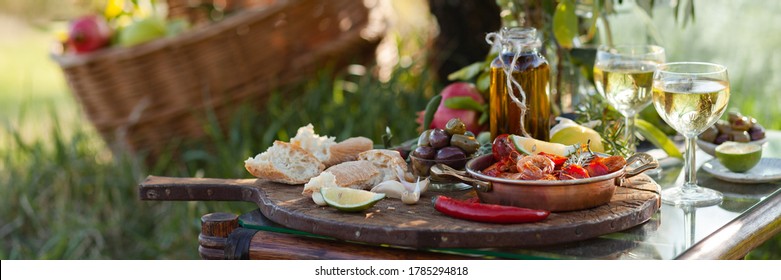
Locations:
column 710, row 148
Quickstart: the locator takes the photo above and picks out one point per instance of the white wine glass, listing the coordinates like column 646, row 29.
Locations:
column 690, row 97
column 623, row 76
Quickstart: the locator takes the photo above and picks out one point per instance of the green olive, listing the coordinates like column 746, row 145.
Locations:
column 455, row 127
column 423, row 139
column 733, row 116
column 467, row 143
column 421, row 167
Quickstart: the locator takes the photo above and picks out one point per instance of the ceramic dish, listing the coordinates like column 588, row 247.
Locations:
column 767, row 170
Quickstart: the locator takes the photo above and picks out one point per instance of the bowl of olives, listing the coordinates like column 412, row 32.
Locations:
column 737, row 128
column 452, row 146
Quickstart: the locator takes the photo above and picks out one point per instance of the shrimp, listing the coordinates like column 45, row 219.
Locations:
column 535, row 167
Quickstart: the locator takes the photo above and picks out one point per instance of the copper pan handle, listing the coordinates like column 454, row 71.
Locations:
column 646, row 162
column 442, row 170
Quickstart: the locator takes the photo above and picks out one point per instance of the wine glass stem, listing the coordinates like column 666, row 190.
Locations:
column 629, row 133
column 690, row 176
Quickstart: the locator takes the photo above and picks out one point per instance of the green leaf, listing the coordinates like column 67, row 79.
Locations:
column 466, row 73
column 484, row 81
column 431, row 108
column 565, row 23
column 658, row 138
column 463, row 103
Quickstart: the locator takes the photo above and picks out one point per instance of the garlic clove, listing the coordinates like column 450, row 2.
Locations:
column 391, row 188
column 317, row 197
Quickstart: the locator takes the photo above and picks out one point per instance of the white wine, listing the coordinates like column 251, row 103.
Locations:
column 690, row 106
column 625, row 84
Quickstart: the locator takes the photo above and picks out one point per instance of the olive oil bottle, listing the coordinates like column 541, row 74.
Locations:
column 520, row 56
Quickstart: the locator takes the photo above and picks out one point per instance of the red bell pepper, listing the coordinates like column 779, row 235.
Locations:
column 487, row 213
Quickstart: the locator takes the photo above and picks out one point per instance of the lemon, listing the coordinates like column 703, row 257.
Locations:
column 530, row 146
column 350, row 200
column 568, row 132
column 738, row 157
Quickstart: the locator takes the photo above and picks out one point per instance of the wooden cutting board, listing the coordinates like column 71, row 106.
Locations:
column 418, row 226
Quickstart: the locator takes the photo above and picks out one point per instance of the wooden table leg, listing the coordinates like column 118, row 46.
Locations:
column 215, row 229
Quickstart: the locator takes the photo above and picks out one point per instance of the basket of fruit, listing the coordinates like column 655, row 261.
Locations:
column 141, row 87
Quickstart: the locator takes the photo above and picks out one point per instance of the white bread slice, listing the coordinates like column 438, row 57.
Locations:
column 284, row 163
column 326, row 149
column 359, row 174
column 389, row 162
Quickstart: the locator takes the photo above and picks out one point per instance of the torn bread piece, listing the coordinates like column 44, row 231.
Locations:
column 389, row 162
column 326, row 149
column 312, row 188
column 284, row 163
column 358, row 174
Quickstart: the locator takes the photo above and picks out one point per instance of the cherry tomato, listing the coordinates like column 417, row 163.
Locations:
column 558, row 160
column 572, row 171
column 596, row 168
column 502, row 147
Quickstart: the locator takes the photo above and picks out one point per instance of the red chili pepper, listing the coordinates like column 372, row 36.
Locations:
column 487, row 213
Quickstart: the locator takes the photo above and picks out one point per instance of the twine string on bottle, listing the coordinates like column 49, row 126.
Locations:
column 498, row 40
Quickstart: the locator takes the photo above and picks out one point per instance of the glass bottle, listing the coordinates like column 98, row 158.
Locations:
column 519, row 56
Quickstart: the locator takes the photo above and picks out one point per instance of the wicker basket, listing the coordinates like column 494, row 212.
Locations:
column 143, row 97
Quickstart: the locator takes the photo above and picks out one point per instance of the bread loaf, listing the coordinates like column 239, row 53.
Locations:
column 284, row 163
column 326, row 149
column 358, row 174
column 389, row 162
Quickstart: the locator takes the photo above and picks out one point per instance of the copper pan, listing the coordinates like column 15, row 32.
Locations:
column 554, row 196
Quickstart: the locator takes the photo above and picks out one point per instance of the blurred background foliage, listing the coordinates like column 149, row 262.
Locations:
column 66, row 196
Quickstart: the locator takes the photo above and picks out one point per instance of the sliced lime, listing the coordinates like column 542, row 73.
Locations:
column 530, row 146
column 350, row 200
column 738, row 157
column 569, row 132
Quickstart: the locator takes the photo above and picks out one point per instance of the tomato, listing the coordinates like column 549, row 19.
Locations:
column 558, row 160
column 597, row 168
column 502, row 147
column 572, row 171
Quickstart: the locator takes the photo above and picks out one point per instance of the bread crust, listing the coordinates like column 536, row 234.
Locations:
column 263, row 167
column 348, row 150
column 359, row 174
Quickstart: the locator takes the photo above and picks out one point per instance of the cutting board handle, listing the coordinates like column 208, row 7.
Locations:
column 198, row 189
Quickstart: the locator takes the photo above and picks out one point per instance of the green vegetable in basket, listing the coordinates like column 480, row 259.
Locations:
column 142, row 31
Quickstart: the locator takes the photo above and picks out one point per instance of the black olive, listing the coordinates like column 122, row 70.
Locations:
column 425, row 152
column 438, row 138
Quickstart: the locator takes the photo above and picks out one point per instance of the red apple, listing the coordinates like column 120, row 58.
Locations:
column 88, row 33
column 469, row 117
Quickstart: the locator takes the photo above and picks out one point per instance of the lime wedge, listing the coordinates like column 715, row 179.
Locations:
column 350, row 200
column 568, row 132
column 530, row 146
column 738, row 157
